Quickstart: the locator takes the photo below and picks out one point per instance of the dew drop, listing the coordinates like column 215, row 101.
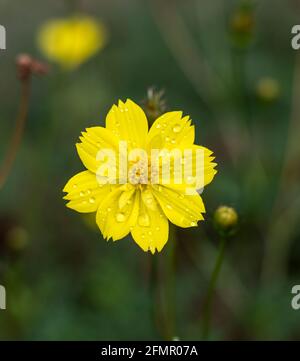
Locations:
column 81, row 193
column 88, row 191
column 108, row 209
column 120, row 217
column 176, row 128
column 157, row 229
column 149, row 201
column 92, row 200
column 167, row 139
column 144, row 220
column 169, row 206
column 74, row 186
column 193, row 224
column 190, row 179
column 158, row 126
column 150, row 233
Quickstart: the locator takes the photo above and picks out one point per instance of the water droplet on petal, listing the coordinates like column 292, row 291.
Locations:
column 144, row 220
column 193, row 224
column 92, row 200
column 74, row 186
column 150, row 233
column 190, row 179
column 120, row 217
column 176, row 128
column 108, row 209
column 81, row 193
column 169, row 206
column 157, row 229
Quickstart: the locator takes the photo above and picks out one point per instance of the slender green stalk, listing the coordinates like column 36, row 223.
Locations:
column 162, row 288
column 170, row 286
column 211, row 288
column 17, row 135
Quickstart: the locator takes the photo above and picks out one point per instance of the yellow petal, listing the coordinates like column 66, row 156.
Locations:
column 84, row 192
column 113, row 221
column 93, row 141
column 171, row 131
column 152, row 228
column 129, row 123
column 198, row 170
column 181, row 209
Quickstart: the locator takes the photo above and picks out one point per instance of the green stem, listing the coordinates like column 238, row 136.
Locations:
column 171, row 286
column 17, row 135
column 211, row 288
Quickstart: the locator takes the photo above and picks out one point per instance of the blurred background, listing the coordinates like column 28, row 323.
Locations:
column 230, row 66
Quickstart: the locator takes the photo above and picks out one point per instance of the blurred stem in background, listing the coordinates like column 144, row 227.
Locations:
column 211, row 288
column 163, row 289
column 285, row 214
column 26, row 66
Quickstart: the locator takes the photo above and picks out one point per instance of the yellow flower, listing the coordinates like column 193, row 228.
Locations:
column 71, row 41
column 134, row 179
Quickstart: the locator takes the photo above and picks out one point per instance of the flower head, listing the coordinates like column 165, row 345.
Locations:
column 71, row 41
column 137, row 181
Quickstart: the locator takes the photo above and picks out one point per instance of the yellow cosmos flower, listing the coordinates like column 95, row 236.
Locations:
column 137, row 181
column 71, row 41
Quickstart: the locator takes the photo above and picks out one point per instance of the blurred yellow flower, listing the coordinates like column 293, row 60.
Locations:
column 71, row 41
column 268, row 89
column 134, row 179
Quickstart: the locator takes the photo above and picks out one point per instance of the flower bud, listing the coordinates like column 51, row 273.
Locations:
column 26, row 66
column 242, row 25
column 154, row 105
column 268, row 89
column 225, row 220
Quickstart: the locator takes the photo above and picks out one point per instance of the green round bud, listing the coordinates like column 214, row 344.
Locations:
column 225, row 219
column 268, row 89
